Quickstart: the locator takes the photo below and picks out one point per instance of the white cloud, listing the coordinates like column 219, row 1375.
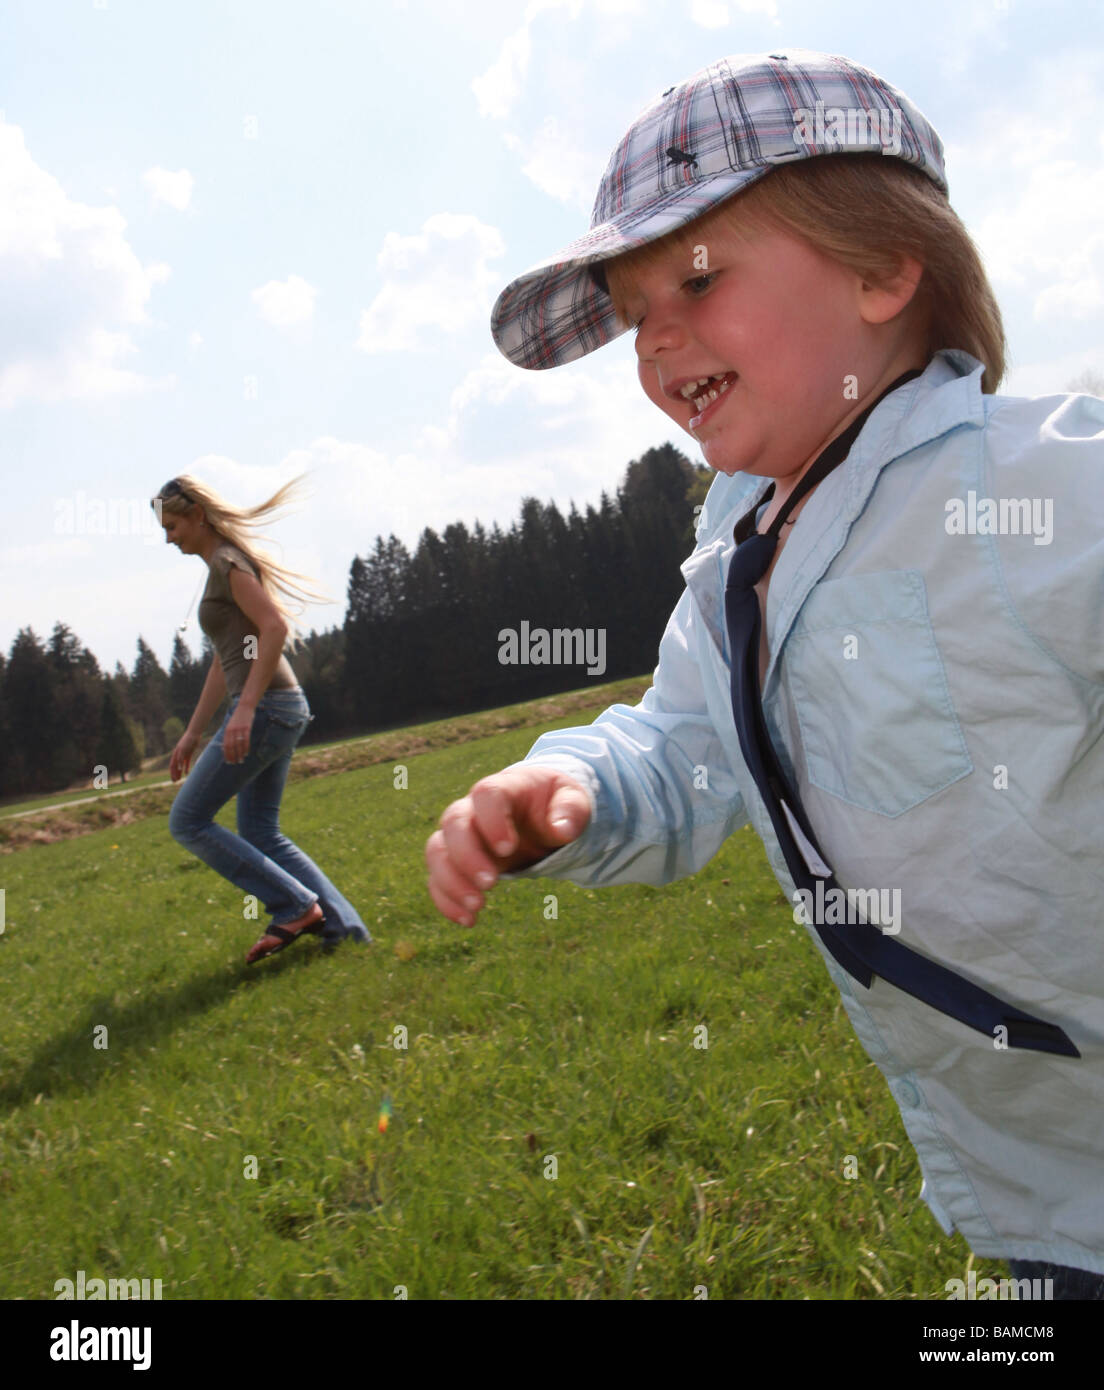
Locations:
column 556, row 161
column 558, row 434
column 498, row 88
column 283, row 302
column 195, row 339
column 713, row 14
column 575, row 36
column 167, row 187
column 1078, row 299
column 710, row 14
column 1037, row 211
column 1048, row 237
column 70, row 284
column 965, row 31
column 1053, row 377
column 436, row 279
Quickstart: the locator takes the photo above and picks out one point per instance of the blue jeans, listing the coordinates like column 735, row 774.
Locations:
column 259, row 859
column 1069, row 1283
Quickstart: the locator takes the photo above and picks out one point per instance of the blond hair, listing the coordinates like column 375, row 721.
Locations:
column 863, row 211
column 234, row 525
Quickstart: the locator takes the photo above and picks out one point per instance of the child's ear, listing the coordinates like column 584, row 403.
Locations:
column 878, row 303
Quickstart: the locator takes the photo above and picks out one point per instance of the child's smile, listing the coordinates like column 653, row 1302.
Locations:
column 705, row 395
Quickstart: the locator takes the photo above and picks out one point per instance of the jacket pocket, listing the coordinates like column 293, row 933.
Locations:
column 870, row 693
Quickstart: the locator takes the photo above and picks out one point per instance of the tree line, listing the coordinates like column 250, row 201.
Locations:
column 422, row 636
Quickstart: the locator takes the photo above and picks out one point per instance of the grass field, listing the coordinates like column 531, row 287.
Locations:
column 529, row 1039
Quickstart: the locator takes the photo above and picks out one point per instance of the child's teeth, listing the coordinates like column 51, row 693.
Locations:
column 722, row 385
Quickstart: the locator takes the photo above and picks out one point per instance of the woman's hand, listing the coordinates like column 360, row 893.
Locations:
column 235, row 737
column 181, row 757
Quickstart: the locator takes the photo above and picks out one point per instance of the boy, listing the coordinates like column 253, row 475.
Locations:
column 916, row 601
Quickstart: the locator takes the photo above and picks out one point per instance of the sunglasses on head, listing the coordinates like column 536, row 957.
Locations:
column 173, row 489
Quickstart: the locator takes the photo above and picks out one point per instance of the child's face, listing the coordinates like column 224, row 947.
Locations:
column 787, row 325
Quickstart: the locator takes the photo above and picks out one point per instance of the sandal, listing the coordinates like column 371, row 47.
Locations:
column 310, row 923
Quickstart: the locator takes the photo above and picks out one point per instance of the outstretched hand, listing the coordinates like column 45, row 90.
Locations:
column 507, row 821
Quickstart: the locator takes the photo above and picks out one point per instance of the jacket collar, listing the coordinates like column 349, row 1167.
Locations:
column 946, row 396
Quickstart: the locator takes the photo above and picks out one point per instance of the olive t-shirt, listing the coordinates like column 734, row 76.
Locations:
column 228, row 627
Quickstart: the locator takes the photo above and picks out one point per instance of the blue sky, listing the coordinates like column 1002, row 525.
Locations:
column 247, row 240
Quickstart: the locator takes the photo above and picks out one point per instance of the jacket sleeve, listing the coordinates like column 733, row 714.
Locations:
column 663, row 797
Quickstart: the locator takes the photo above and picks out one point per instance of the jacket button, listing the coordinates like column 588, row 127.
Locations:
column 909, row 1093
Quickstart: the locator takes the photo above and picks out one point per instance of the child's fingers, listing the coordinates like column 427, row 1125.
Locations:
column 516, row 818
column 450, row 908
column 467, row 847
column 568, row 812
column 453, row 894
column 493, row 807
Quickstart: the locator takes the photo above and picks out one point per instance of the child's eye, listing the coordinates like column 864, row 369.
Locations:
column 700, row 283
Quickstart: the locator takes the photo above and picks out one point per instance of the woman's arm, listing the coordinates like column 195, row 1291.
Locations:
column 213, row 692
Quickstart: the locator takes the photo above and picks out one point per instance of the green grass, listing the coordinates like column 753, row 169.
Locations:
column 529, row 1038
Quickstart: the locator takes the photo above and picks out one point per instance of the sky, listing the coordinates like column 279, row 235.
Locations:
column 250, row 239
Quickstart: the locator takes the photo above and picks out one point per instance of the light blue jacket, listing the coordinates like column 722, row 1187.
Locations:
column 936, row 694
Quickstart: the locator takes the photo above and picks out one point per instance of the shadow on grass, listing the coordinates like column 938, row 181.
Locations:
column 68, row 1063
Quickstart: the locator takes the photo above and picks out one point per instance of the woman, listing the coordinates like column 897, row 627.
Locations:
column 250, row 755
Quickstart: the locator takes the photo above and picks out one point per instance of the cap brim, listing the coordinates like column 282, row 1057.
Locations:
column 555, row 312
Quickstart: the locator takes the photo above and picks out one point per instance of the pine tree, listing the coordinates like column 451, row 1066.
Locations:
column 149, row 697
column 31, row 713
column 115, row 749
column 77, row 686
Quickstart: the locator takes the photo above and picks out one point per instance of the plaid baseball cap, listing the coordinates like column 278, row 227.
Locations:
column 697, row 144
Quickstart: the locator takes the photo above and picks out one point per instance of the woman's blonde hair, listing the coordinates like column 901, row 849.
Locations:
column 234, row 525
column 863, row 211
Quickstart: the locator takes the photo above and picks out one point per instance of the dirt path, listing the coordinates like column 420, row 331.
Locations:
column 82, row 800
